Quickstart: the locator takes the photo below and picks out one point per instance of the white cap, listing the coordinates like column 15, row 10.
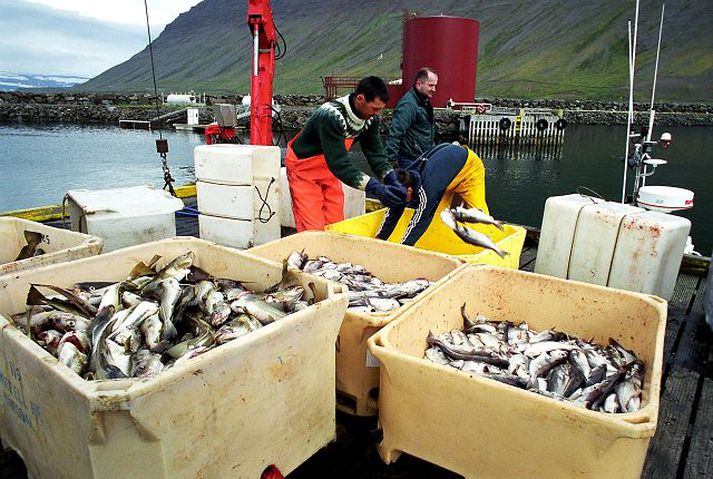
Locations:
column 666, row 136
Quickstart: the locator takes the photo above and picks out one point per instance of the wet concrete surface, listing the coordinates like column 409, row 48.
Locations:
column 353, row 455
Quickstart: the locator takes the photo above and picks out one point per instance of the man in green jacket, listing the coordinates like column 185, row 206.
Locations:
column 412, row 126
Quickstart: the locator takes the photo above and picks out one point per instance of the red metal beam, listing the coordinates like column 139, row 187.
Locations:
column 262, row 27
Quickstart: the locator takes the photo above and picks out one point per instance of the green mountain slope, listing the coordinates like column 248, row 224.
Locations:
column 528, row 49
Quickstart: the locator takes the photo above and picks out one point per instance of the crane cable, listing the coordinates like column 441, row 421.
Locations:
column 161, row 143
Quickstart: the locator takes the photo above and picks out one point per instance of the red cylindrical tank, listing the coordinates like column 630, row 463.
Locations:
column 395, row 94
column 449, row 45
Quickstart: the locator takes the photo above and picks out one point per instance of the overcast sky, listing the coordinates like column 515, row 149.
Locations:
column 78, row 37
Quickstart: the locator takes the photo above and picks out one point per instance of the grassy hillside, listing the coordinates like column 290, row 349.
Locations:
column 528, row 49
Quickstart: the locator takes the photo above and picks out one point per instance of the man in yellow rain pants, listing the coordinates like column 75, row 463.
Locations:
column 431, row 181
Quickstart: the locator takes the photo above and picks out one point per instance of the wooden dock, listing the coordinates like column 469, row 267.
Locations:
column 187, row 127
column 156, row 121
column 135, row 124
column 681, row 448
column 520, row 126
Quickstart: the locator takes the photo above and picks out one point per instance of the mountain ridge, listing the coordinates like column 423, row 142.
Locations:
column 10, row 81
column 541, row 49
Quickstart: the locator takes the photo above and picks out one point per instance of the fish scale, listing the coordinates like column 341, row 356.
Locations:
column 368, row 293
column 151, row 321
column 602, row 378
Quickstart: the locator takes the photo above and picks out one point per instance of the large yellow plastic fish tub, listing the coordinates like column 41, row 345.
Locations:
column 441, row 239
column 59, row 245
column 357, row 372
column 479, row 427
column 265, row 398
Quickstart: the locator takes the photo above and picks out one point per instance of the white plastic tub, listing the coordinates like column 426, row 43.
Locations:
column 357, row 371
column 227, row 201
column 266, row 398
column 58, row 244
column 478, row 427
column 611, row 244
column 236, row 164
column 239, row 234
column 124, row 217
column 238, row 184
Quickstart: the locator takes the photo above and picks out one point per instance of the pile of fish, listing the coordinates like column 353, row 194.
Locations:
column 367, row 293
column 551, row 363
column 32, row 248
column 152, row 320
column 451, row 217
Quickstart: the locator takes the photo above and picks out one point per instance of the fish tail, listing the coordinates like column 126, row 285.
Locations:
column 501, row 253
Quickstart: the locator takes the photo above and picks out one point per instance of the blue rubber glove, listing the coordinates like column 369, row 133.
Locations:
column 392, row 178
column 390, row 196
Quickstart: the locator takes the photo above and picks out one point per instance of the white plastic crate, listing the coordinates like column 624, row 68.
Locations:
column 266, row 398
column 124, row 217
column 611, row 244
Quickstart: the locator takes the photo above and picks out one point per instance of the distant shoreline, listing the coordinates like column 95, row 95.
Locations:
column 94, row 108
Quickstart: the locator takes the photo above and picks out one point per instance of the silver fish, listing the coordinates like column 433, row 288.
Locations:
column 519, row 365
column 579, row 360
column 49, row 339
column 116, row 356
column 536, row 349
column 542, row 364
column 236, row 328
column 203, row 338
column 594, row 394
column 299, row 306
column 69, row 355
column 167, row 292
column 610, row 404
column 471, row 236
column 135, row 317
column 296, row 261
column 475, row 215
column 151, row 327
column 287, row 297
column 146, row 364
column 257, row 307
column 466, row 355
column 628, row 394
column 210, row 301
column 435, row 354
column 221, row 313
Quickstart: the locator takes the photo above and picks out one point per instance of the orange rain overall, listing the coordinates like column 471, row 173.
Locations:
column 317, row 195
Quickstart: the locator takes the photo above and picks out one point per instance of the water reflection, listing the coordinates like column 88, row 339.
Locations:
column 39, row 164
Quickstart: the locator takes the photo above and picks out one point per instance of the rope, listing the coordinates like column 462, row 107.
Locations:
column 280, row 50
column 161, row 143
column 270, row 213
column 281, row 129
column 581, row 189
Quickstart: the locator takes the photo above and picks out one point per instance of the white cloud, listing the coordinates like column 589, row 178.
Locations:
column 16, row 85
column 130, row 12
column 78, row 37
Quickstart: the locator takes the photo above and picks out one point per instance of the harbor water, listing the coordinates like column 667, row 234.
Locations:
column 38, row 164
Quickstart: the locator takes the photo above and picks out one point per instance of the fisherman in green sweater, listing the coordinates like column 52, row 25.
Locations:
column 317, row 160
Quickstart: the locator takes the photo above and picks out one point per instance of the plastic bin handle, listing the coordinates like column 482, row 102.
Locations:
column 334, row 289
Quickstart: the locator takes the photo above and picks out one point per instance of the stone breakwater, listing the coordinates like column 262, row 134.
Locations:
column 93, row 108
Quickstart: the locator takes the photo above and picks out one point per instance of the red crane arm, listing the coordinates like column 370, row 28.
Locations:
column 264, row 34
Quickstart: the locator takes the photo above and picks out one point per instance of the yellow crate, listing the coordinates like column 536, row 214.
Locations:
column 266, row 398
column 357, row 372
column 442, row 239
column 479, row 427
